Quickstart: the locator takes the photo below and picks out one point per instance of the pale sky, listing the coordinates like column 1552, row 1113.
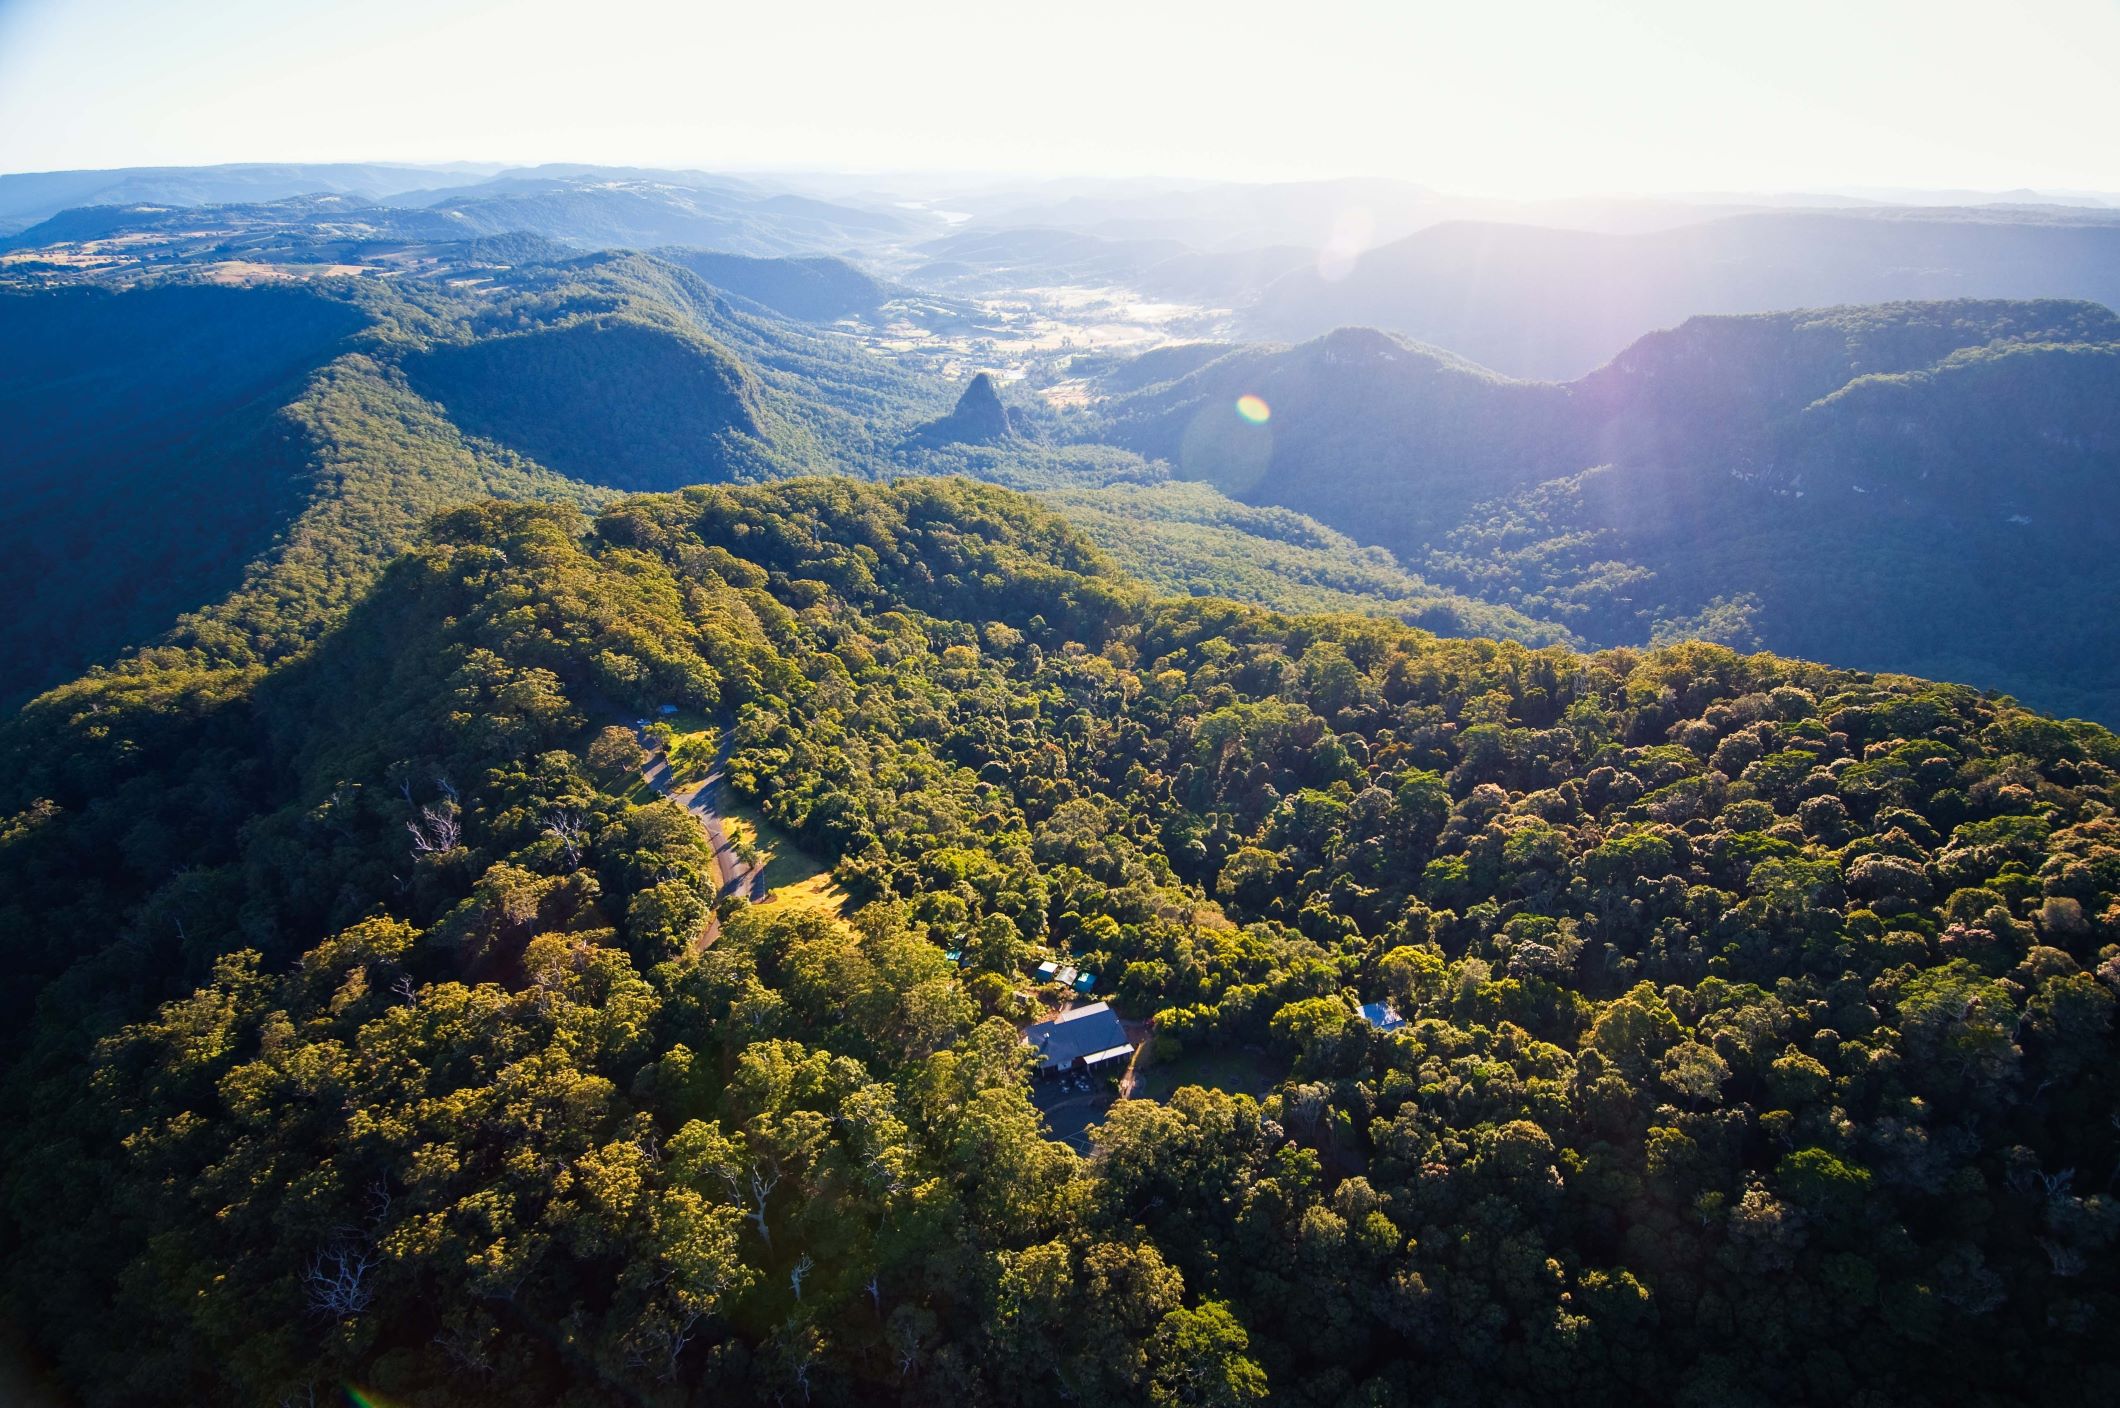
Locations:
column 1477, row 97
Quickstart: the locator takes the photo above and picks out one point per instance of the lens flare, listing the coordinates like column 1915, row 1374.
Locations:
column 358, row 1397
column 1253, row 409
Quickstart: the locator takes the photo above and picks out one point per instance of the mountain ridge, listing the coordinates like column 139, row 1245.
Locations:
column 1538, row 302
column 1646, row 493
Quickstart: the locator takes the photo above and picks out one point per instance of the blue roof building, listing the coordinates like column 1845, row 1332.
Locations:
column 1383, row 1016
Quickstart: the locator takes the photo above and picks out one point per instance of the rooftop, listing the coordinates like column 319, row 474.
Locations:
column 1383, row 1016
column 1088, row 1034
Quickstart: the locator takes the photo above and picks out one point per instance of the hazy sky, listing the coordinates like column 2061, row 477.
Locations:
column 1472, row 96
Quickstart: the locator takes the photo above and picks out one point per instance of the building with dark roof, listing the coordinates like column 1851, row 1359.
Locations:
column 1088, row 1035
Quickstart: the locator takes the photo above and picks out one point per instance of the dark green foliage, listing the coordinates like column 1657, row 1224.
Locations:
column 255, row 455
column 123, row 410
column 1189, row 538
column 247, row 458
column 1760, row 1038
column 602, row 400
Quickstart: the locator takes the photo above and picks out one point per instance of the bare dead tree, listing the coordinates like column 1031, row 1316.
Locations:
column 338, row 1278
column 437, row 830
column 380, row 1202
column 463, row 1351
column 2067, row 1260
column 572, row 834
column 663, row 1340
column 680, row 1335
column 762, row 1186
column 800, row 1272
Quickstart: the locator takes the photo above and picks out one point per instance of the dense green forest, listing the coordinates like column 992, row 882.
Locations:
column 1759, row 1016
column 1925, row 487
column 1190, row 539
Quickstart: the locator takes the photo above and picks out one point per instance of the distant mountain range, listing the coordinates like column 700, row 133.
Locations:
column 1540, row 290
column 988, row 260
column 594, row 212
column 1357, row 212
column 1923, row 485
column 1927, row 487
column 28, row 197
column 1554, row 303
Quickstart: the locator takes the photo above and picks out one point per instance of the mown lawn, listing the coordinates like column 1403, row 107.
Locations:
column 793, row 876
column 1238, row 1072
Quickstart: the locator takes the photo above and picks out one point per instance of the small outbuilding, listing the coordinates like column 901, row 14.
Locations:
column 1383, row 1016
column 1085, row 1036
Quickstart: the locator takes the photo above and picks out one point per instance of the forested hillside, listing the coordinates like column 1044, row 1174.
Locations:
column 237, row 462
column 1928, row 487
column 818, row 289
column 1189, row 539
column 614, row 208
column 120, row 410
column 1759, row 1016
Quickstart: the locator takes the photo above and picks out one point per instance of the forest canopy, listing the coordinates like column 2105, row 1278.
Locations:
column 1756, row 1019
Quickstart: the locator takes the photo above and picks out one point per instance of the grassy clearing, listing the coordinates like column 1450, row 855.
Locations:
column 1238, row 1072
column 685, row 721
column 794, row 878
column 691, row 754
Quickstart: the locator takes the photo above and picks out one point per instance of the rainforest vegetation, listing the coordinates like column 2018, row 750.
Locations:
column 1759, row 1016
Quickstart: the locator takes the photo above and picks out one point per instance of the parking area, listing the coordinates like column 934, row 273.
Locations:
column 1073, row 1105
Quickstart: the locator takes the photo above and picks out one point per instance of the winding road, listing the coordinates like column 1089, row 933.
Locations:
column 705, row 799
